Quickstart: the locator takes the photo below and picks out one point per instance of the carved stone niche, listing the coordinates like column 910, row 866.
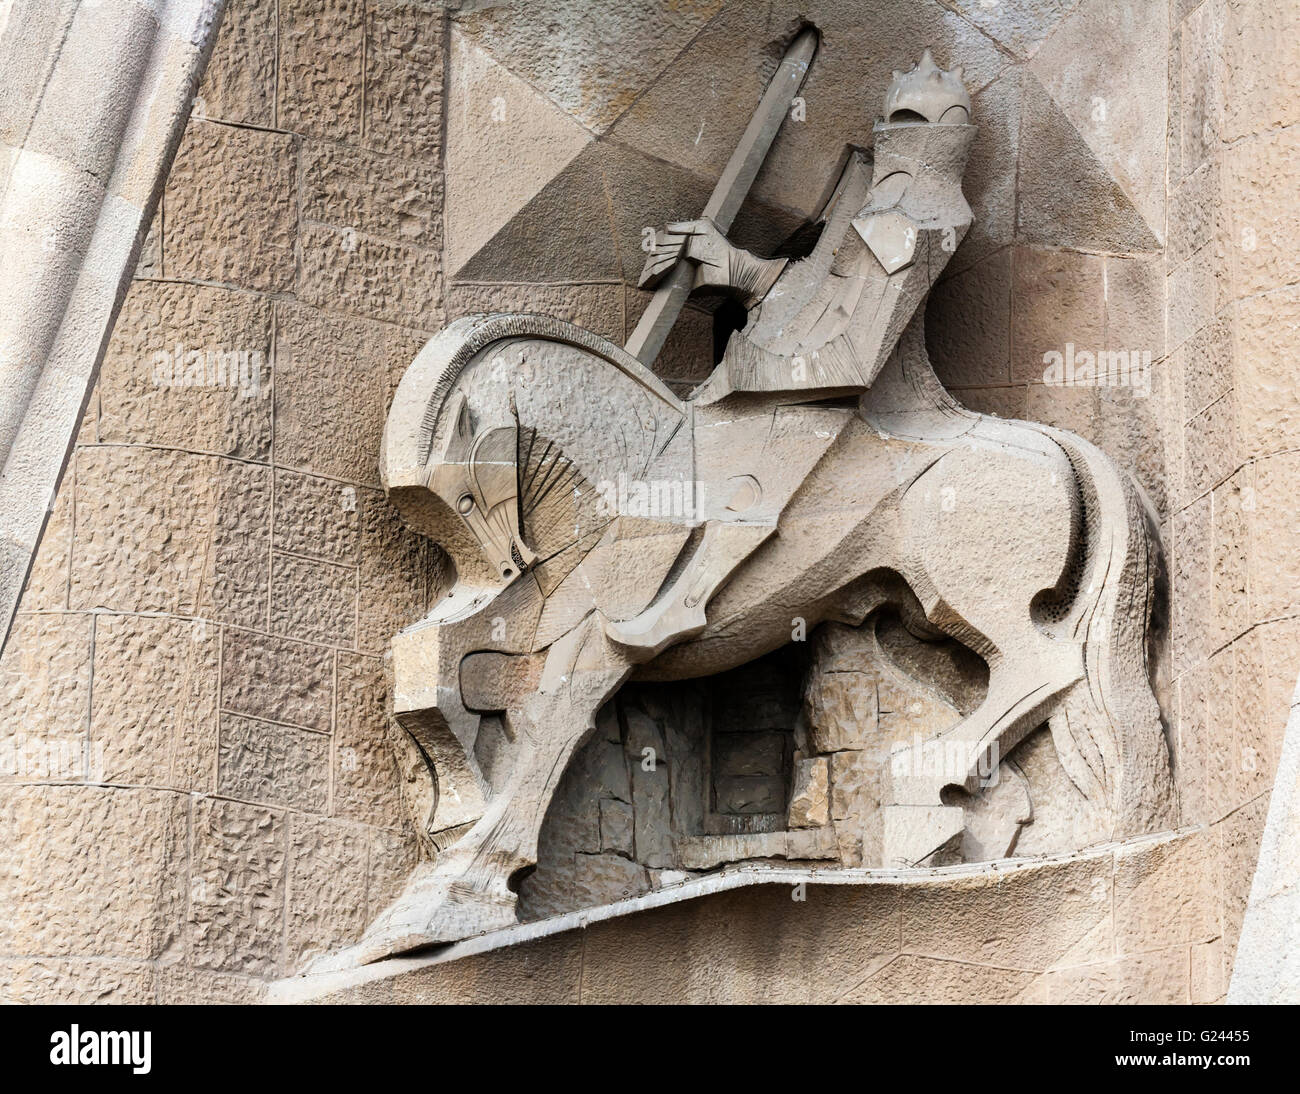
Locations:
column 816, row 612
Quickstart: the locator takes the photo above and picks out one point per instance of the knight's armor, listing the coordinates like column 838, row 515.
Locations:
column 830, row 320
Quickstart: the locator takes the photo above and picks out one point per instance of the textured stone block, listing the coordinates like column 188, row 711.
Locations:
column 915, row 980
column 399, row 576
column 1149, row 978
column 1261, row 86
column 391, row 859
column 1023, row 918
column 1206, row 982
column 616, row 826
column 154, row 713
column 1165, row 894
column 751, row 945
column 1239, row 836
column 178, row 983
column 76, row 982
column 320, row 69
column 327, row 888
column 549, row 971
column 334, row 378
column 1211, row 448
column 78, row 878
column 366, row 777
column 370, row 276
column 810, row 794
column 237, row 888
column 189, row 367
column 1193, row 296
column 317, row 517
column 171, row 532
column 1191, row 757
column 377, row 195
column 1258, row 193
column 273, row 764
column 1207, row 366
column 1229, row 605
column 231, row 209
column 1135, row 305
column 404, row 78
column 1194, row 208
column 1267, row 397
column 314, row 600
column 239, row 82
column 278, row 679
column 44, row 699
column 842, row 710
column 1191, row 572
column 1202, row 92
column 1275, row 562
column 1221, row 716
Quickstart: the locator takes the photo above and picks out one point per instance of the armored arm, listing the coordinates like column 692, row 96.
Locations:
column 718, row 262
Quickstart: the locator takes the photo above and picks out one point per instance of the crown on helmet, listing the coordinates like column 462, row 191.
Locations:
column 928, row 94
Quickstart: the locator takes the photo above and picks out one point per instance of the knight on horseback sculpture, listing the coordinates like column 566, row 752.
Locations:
column 821, row 469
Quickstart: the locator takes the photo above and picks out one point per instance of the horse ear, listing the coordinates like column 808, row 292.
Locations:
column 462, row 434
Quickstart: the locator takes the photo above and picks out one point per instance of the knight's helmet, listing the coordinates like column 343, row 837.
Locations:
column 921, row 145
column 927, row 94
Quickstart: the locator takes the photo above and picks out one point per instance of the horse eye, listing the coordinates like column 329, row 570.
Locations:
column 466, row 503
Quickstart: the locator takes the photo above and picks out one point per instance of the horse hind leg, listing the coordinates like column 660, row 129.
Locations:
column 983, row 531
column 1022, row 691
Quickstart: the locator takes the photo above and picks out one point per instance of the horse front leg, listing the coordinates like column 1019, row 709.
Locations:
column 470, row 888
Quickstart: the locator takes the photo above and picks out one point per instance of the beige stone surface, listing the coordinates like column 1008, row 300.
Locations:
column 273, row 764
column 232, row 209
column 334, row 377
column 239, row 84
column 277, row 678
column 45, row 698
column 404, row 79
column 129, row 903
column 365, row 788
column 319, row 84
column 326, row 904
column 168, row 531
column 154, row 706
column 236, row 894
column 317, row 600
column 189, row 367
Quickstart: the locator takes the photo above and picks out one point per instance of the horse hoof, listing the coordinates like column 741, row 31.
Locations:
column 434, row 912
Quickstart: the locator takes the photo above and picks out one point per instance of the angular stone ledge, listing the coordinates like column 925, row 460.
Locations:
column 532, row 962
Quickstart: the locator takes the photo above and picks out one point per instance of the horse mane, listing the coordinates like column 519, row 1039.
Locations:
column 474, row 333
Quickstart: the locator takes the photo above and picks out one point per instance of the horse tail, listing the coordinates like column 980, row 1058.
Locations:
column 1107, row 728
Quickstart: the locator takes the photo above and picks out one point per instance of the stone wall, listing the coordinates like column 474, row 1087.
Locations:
column 202, row 795
column 208, row 798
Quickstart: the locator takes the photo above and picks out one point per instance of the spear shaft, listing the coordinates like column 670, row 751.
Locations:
column 729, row 193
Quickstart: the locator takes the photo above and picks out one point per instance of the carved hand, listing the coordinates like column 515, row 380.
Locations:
column 718, row 262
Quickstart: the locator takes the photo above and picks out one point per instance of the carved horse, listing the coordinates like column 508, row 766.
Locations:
column 602, row 529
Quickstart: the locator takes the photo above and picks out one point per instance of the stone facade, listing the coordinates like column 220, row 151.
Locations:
column 203, row 792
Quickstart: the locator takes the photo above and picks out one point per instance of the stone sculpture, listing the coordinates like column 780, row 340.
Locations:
column 604, row 530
